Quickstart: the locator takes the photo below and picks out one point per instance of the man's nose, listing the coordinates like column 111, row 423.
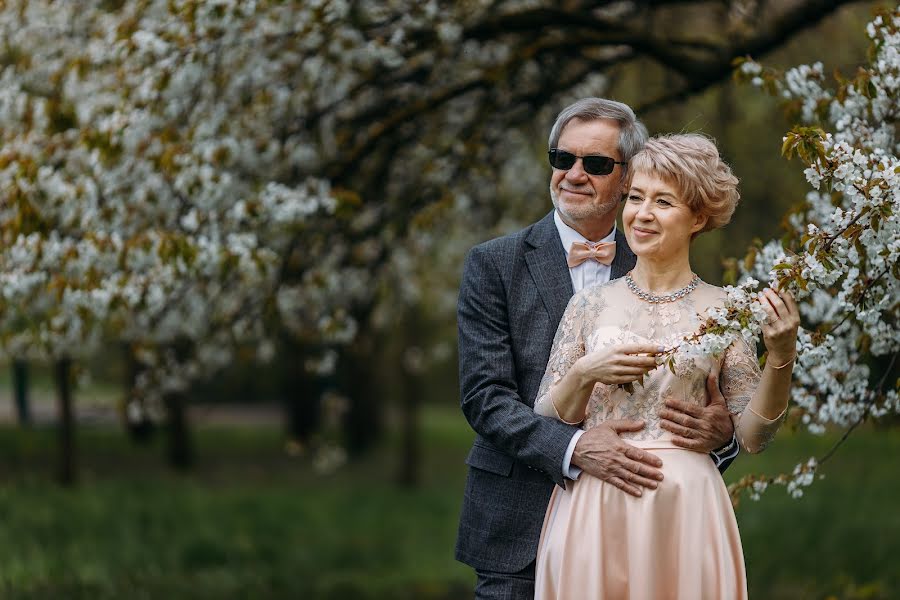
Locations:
column 577, row 172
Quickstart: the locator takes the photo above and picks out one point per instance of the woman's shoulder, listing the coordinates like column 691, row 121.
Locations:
column 710, row 290
column 598, row 293
column 708, row 296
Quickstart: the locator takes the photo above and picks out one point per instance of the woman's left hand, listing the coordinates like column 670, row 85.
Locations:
column 780, row 329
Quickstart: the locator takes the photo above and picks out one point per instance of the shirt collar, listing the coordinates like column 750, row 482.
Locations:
column 569, row 235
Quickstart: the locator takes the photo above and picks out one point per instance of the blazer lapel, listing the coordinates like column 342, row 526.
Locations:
column 624, row 260
column 547, row 264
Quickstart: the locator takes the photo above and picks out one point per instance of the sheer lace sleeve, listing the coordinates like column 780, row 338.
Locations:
column 568, row 346
column 740, row 376
column 739, row 381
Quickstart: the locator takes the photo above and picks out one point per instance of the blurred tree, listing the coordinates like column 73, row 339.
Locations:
column 203, row 174
column 20, row 391
column 138, row 423
column 67, row 461
column 301, row 391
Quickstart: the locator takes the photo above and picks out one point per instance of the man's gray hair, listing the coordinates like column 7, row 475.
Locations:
column 632, row 133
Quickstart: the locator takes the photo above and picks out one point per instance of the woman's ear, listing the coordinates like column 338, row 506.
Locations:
column 700, row 221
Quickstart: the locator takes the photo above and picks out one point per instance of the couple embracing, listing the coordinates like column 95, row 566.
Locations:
column 578, row 487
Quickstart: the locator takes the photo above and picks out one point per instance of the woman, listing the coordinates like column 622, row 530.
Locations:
column 679, row 540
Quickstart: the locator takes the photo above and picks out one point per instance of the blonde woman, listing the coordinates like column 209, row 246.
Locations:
column 678, row 539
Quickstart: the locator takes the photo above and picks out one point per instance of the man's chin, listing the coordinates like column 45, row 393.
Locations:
column 584, row 211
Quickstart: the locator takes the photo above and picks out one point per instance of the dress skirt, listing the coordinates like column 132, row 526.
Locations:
column 679, row 541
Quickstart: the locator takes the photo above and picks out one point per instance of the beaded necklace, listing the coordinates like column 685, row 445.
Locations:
column 659, row 299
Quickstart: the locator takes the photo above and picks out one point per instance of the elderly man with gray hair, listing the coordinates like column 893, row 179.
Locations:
column 514, row 291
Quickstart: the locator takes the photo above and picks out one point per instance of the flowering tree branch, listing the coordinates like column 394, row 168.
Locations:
column 841, row 255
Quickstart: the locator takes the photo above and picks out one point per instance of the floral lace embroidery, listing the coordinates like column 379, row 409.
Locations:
column 568, row 344
column 609, row 314
column 740, row 376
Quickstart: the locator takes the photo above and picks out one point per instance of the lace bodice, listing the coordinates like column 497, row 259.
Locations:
column 610, row 314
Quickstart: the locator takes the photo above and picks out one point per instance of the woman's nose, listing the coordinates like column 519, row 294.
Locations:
column 645, row 211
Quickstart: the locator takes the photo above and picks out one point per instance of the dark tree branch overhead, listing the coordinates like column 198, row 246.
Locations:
column 598, row 35
column 767, row 37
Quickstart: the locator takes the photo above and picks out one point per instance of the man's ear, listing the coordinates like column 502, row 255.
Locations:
column 625, row 179
column 624, row 184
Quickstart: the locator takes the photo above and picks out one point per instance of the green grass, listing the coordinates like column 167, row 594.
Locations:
column 251, row 522
column 842, row 537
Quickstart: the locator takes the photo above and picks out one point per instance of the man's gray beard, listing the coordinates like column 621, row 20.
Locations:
column 584, row 212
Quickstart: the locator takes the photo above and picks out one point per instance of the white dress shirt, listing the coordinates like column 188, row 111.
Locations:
column 588, row 273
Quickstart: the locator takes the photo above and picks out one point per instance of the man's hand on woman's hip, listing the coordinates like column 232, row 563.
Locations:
column 600, row 452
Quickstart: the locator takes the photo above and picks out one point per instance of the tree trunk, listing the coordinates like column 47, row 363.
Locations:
column 20, row 391
column 359, row 383
column 411, row 390
column 410, row 447
column 725, row 114
column 302, row 394
column 63, row 376
column 138, row 424
column 181, row 456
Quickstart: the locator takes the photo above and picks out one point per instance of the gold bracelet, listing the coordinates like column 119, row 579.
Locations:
column 553, row 404
column 785, row 364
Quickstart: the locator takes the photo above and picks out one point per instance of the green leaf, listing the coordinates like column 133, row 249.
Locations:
column 790, row 143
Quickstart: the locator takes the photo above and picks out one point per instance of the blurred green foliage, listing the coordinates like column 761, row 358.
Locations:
column 254, row 523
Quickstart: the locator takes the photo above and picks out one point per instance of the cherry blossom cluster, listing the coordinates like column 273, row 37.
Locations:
column 841, row 254
column 800, row 478
column 154, row 193
column 739, row 318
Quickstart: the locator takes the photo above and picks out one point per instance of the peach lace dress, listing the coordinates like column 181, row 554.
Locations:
column 680, row 540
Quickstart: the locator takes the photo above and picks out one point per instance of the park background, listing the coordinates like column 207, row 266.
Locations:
column 271, row 481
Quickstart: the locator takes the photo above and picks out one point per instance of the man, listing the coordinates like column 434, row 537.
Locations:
column 513, row 293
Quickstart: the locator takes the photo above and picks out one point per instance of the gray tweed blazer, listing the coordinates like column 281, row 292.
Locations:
column 513, row 294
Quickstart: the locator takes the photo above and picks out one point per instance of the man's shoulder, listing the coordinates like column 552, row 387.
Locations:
column 510, row 243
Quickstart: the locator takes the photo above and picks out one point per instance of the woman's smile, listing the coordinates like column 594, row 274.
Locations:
column 643, row 234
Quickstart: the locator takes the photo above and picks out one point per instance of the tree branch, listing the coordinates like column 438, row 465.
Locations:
column 768, row 36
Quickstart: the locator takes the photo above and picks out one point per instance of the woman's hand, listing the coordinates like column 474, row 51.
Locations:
column 617, row 364
column 780, row 329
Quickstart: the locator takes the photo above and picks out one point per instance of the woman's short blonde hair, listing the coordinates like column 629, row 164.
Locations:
column 691, row 162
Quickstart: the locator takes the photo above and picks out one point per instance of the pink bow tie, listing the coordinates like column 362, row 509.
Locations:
column 602, row 252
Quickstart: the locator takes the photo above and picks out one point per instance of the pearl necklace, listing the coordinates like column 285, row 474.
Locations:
column 653, row 298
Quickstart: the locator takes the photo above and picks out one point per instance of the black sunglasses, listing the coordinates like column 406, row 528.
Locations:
column 593, row 164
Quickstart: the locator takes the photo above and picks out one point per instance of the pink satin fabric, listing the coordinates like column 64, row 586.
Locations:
column 679, row 541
